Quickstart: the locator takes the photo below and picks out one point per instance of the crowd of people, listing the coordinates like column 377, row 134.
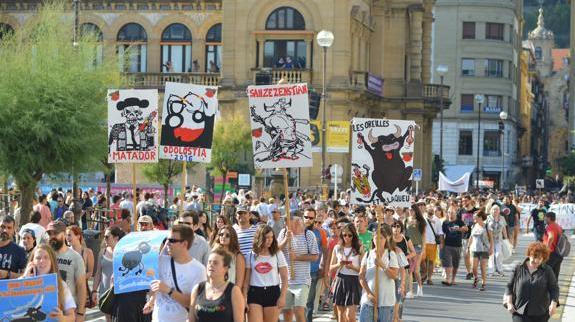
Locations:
column 252, row 261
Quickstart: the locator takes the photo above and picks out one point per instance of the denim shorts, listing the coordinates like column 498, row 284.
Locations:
column 385, row 313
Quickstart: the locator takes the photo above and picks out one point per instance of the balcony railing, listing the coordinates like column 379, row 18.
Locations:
column 158, row 80
column 434, row 90
column 273, row 75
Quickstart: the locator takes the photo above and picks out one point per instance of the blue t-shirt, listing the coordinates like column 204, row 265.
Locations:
column 314, row 267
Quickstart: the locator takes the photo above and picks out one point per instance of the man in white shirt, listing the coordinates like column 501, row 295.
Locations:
column 433, row 234
column 179, row 274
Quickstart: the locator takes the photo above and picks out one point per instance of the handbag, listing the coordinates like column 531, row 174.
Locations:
column 107, row 301
column 506, row 249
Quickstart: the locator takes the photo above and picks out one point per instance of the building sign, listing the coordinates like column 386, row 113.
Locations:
column 492, row 109
column 338, row 136
column 374, row 84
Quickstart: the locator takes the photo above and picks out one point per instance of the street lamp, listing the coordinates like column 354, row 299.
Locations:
column 502, row 117
column 324, row 40
column 441, row 70
column 76, row 20
column 479, row 100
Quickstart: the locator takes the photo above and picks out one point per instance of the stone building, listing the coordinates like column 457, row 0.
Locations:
column 480, row 43
column 229, row 42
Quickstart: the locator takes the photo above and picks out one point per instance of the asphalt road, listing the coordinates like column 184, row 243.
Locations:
column 460, row 302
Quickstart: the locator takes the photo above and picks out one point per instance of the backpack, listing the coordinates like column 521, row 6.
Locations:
column 563, row 246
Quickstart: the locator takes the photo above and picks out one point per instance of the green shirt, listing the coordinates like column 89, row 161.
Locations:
column 365, row 239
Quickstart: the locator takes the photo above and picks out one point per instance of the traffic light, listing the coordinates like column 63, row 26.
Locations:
column 314, row 102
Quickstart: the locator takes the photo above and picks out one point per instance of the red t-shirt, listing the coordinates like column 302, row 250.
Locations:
column 554, row 229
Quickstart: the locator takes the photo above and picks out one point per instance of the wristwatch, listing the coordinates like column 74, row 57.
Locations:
column 170, row 292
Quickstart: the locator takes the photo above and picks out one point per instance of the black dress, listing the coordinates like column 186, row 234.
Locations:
column 220, row 309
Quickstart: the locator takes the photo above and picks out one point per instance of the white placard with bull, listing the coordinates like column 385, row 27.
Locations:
column 279, row 116
column 382, row 161
column 133, row 126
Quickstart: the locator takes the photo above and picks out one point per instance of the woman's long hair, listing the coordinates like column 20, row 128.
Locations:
column 355, row 243
column 385, row 231
column 214, row 234
column 421, row 222
column 234, row 246
column 53, row 269
column 260, row 240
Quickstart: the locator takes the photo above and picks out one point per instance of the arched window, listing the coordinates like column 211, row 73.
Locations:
column 214, row 49
column 282, row 53
column 285, row 18
column 94, row 31
column 132, row 39
column 5, row 29
column 176, row 49
column 538, row 53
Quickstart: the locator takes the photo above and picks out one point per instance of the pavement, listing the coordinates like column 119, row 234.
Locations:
column 463, row 303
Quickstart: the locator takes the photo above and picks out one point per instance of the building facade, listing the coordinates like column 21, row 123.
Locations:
column 480, row 43
column 230, row 43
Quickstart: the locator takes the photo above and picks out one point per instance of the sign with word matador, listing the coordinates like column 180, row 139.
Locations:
column 136, row 260
column 382, row 161
column 132, row 126
column 188, row 119
column 28, row 299
column 279, row 116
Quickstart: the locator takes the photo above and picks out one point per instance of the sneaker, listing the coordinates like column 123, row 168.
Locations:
column 419, row 290
column 409, row 295
column 469, row 276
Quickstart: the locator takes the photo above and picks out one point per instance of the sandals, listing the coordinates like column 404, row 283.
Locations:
column 475, row 282
column 446, row 283
column 482, row 287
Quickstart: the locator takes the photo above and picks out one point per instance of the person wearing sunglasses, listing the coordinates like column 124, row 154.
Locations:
column 179, row 273
column 405, row 251
column 345, row 261
column 145, row 223
column 227, row 239
column 200, row 249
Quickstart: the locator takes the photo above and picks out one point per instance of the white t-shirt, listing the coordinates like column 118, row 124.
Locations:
column 188, row 276
column 429, row 237
column 347, row 254
column 386, row 296
column 69, row 302
column 265, row 268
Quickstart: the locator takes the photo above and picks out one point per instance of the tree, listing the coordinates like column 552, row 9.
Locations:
column 567, row 165
column 163, row 173
column 232, row 146
column 52, row 101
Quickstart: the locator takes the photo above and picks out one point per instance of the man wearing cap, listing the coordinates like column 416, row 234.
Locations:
column 70, row 265
column 12, row 256
column 276, row 222
column 244, row 230
column 145, row 223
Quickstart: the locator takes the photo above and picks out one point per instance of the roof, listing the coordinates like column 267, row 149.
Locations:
column 558, row 56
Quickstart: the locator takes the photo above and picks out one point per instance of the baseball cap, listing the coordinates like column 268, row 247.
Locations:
column 241, row 208
column 57, row 226
column 146, row 219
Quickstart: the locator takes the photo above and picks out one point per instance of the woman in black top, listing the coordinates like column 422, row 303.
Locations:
column 217, row 299
column 532, row 293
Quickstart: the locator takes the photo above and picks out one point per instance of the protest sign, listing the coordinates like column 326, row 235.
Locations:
column 564, row 214
column 460, row 185
column 279, row 116
column 28, row 299
column 382, row 161
column 188, row 116
column 132, row 126
column 136, row 260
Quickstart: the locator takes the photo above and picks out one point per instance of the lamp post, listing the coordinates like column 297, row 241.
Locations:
column 76, row 20
column 479, row 100
column 324, row 40
column 441, row 70
column 502, row 117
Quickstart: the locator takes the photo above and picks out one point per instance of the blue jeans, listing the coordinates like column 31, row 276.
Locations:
column 385, row 313
column 311, row 297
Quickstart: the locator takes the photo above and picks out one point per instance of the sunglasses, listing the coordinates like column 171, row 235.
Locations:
column 395, row 226
column 143, row 223
column 347, row 235
column 174, row 240
column 224, row 235
column 308, row 217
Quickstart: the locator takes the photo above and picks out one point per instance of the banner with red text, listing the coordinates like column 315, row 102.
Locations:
column 279, row 116
column 133, row 126
column 188, row 117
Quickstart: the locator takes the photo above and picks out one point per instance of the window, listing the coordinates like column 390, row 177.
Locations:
column 132, row 41
column 466, row 103
column 494, row 31
column 465, row 142
column 286, row 54
column 468, row 67
column 468, row 30
column 214, row 49
column 494, row 68
column 491, row 146
column 493, row 104
column 285, row 18
column 5, row 29
column 538, row 53
column 176, row 49
column 91, row 30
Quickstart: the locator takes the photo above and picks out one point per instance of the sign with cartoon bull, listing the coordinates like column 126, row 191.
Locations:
column 382, row 161
column 132, row 126
column 136, row 259
column 29, row 299
column 279, row 116
column 188, row 119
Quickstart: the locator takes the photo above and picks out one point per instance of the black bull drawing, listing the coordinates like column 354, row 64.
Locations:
column 390, row 172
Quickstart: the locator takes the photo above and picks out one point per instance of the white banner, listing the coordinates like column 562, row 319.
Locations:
column 382, row 161
column 133, row 126
column 279, row 116
column 188, row 117
column 565, row 214
column 460, row 185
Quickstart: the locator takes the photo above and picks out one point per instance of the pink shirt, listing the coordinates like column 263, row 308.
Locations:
column 46, row 215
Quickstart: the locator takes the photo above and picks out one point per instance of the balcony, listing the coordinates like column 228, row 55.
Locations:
column 432, row 92
column 262, row 76
column 158, row 80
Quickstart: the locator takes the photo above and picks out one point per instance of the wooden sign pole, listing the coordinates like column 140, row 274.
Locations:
column 134, row 197
column 288, row 219
column 183, row 187
column 377, row 246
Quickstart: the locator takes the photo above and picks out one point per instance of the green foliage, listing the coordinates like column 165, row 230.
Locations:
column 567, row 165
column 52, row 98
column 163, row 172
column 232, row 145
column 557, row 17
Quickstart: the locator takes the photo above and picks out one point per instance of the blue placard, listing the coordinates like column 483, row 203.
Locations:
column 28, row 299
column 416, row 174
column 136, row 260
